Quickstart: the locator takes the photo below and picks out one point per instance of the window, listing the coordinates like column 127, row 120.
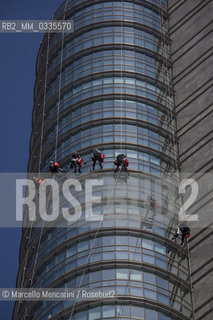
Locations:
column 133, row 241
column 162, row 282
column 136, row 291
column 136, row 275
column 122, row 274
column 95, row 276
column 122, row 240
column 83, row 245
column 95, row 313
column 162, row 316
column 59, row 257
column 162, row 298
column 108, row 274
column 147, row 244
column 137, row 312
column 108, row 255
column 149, row 277
column 123, row 311
column 162, row 264
column 71, row 251
column 108, row 241
column 151, row 314
column 108, row 311
column 150, row 294
column 160, row 248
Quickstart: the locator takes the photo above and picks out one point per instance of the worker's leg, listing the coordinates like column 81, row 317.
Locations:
column 100, row 164
column 153, row 211
column 117, row 167
column 75, row 167
column 175, row 237
column 124, row 168
column 147, row 212
column 182, row 239
column 93, row 163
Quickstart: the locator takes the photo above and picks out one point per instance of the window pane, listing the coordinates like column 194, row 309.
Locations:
column 150, row 314
column 160, row 248
column 136, row 275
column 108, row 274
column 123, row 311
column 147, row 244
column 163, row 299
column 149, row 277
column 122, row 273
column 108, row 311
column 81, row 315
column 95, row 313
column 161, row 282
column 82, row 246
column 137, row 312
column 95, row 276
column 122, row 240
column 71, row 251
column 150, row 294
column 162, row 316
column 148, row 259
column 108, row 241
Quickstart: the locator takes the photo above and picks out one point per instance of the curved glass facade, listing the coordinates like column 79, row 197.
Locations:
column 112, row 91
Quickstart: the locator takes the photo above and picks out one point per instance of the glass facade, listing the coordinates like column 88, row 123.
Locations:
column 109, row 87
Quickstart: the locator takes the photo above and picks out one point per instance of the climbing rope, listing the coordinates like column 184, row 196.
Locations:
column 96, row 234
column 44, row 102
column 122, row 85
column 40, row 159
column 60, row 81
column 56, row 143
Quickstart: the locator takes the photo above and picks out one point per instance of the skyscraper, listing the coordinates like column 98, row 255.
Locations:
column 108, row 85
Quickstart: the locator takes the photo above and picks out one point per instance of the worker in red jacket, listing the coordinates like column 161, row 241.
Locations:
column 55, row 167
column 38, row 181
column 121, row 161
column 75, row 161
column 97, row 156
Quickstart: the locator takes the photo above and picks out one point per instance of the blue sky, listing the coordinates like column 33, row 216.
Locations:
column 18, row 56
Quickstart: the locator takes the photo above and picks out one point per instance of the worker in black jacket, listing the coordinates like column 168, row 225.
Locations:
column 97, row 156
column 75, row 161
column 121, row 161
column 184, row 231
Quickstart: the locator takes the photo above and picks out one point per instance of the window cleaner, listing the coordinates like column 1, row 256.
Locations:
column 97, row 156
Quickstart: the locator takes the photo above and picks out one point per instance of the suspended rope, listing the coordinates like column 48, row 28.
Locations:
column 122, row 80
column 25, row 263
column 190, row 274
column 182, row 281
column 40, row 159
column 167, row 81
column 60, row 81
column 169, row 105
column 56, row 143
column 96, row 234
column 44, row 102
column 37, row 254
column 129, row 276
